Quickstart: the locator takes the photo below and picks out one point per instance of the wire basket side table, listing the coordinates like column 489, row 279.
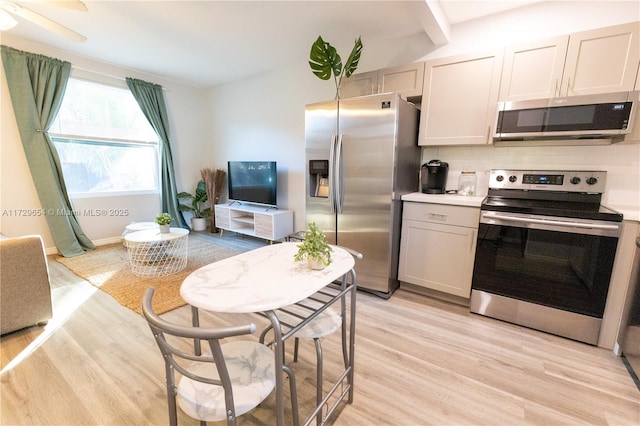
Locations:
column 153, row 254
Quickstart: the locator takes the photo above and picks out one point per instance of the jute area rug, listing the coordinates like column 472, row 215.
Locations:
column 107, row 267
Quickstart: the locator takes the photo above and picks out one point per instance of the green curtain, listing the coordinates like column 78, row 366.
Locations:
column 151, row 100
column 37, row 85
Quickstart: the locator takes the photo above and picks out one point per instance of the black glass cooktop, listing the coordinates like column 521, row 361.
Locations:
column 558, row 208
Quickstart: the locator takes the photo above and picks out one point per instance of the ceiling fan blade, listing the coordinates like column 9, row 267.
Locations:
column 69, row 4
column 40, row 20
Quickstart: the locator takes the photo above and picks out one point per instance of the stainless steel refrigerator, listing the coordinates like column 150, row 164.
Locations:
column 362, row 156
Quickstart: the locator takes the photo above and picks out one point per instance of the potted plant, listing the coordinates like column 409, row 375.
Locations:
column 196, row 206
column 164, row 220
column 314, row 248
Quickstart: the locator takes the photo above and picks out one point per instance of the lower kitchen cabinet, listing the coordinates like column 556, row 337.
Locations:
column 438, row 246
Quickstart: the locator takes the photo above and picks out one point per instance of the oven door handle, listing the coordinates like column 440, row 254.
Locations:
column 553, row 222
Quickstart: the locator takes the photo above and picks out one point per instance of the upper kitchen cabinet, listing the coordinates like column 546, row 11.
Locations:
column 533, row 70
column 589, row 62
column 406, row 79
column 362, row 84
column 459, row 99
column 602, row 60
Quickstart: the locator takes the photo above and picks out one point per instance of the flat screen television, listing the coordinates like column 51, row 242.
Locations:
column 252, row 181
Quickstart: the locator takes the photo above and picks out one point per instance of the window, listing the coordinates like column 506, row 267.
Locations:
column 106, row 145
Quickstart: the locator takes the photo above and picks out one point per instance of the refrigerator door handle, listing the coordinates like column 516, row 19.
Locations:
column 338, row 176
column 332, row 180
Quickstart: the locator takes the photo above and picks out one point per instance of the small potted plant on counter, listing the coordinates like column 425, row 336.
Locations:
column 164, row 220
column 314, row 248
column 196, row 206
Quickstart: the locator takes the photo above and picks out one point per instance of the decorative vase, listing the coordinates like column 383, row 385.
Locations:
column 165, row 229
column 316, row 265
column 198, row 223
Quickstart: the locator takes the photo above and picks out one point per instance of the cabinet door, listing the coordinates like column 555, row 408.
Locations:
column 362, row 84
column 407, row 80
column 602, row 60
column 263, row 224
column 459, row 99
column 222, row 216
column 439, row 257
column 533, row 70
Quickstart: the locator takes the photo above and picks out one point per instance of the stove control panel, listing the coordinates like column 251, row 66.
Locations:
column 549, row 180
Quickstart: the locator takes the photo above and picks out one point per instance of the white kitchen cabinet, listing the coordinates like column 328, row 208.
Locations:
column 362, row 84
column 259, row 221
column 406, row 79
column 437, row 246
column 459, row 99
column 589, row 62
column 533, row 70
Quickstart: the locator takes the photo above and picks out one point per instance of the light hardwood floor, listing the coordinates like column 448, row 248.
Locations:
column 419, row 361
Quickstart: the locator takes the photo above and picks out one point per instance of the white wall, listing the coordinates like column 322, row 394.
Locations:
column 191, row 148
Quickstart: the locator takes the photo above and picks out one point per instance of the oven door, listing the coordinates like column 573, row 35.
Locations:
column 557, row 269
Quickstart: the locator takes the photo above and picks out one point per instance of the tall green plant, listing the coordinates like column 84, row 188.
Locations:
column 325, row 61
column 196, row 206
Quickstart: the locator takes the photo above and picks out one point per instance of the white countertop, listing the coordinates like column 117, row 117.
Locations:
column 451, row 199
column 629, row 212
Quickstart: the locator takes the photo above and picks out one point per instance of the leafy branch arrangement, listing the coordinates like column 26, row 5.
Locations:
column 314, row 247
column 325, row 60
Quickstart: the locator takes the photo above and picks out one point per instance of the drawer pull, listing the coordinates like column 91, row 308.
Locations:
column 438, row 216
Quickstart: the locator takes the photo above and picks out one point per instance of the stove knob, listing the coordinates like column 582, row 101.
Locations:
column 575, row 180
column 499, row 178
column 592, row 180
column 513, row 178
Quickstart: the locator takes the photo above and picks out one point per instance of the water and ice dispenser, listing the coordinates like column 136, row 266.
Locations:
column 319, row 178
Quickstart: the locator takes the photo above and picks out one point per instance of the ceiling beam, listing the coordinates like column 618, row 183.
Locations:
column 433, row 21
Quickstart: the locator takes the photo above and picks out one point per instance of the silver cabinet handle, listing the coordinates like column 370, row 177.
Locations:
column 438, row 216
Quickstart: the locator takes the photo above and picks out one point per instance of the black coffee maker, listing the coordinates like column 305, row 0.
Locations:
column 433, row 176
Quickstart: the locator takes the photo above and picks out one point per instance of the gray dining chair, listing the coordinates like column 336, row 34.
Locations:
column 227, row 381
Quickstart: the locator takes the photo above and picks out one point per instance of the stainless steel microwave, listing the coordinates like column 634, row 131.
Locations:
column 588, row 117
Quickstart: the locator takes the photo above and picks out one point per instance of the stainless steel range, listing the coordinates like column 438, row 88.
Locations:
column 545, row 251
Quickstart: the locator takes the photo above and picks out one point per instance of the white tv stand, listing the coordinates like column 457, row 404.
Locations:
column 259, row 221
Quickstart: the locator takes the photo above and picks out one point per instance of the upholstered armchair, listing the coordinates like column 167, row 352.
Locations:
column 25, row 291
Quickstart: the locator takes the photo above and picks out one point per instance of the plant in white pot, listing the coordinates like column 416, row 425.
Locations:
column 314, row 248
column 195, row 204
column 164, row 222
